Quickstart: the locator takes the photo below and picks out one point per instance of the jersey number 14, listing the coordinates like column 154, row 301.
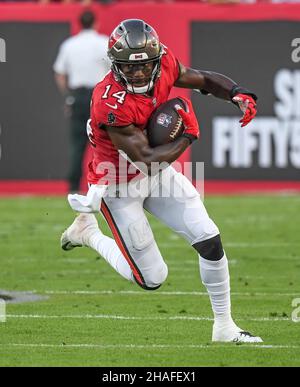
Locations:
column 120, row 95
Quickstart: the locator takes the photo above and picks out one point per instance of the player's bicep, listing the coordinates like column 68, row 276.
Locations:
column 190, row 78
column 130, row 140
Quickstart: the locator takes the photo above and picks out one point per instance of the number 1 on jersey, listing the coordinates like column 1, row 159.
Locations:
column 105, row 95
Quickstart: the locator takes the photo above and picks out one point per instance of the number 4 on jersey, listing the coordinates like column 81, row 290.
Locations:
column 120, row 95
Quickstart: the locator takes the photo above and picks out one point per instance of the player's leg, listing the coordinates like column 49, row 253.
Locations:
column 133, row 253
column 133, row 235
column 183, row 211
column 84, row 231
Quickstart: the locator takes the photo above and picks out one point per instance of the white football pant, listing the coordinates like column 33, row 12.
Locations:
column 170, row 197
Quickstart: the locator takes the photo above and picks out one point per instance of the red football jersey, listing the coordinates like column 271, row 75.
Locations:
column 112, row 105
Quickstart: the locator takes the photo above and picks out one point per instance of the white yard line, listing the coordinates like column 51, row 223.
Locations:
column 151, row 346
column 103, row 316
column 141, row 318
column 162, row 293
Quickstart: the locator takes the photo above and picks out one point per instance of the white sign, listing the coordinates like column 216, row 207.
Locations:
column 296, row 52
column 266, row 141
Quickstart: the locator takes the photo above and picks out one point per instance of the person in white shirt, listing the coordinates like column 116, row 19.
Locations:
column 80, row 64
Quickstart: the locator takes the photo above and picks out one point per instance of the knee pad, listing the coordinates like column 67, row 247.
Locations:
column 155, row 278
column 160, row 274
column 153, row 269
column 210, row 249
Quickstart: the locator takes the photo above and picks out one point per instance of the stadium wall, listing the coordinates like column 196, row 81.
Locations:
column 256, row 45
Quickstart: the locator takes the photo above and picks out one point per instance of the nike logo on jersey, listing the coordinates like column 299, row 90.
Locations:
column 115, row 106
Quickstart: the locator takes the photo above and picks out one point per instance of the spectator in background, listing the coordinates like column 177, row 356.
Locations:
column 80, row 64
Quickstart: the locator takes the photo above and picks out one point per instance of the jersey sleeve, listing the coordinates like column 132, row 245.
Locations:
column 113, row 110
column 171, row 65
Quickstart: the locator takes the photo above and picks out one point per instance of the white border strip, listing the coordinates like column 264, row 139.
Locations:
column 141, row 318
column 162, row 293
column 153, row 346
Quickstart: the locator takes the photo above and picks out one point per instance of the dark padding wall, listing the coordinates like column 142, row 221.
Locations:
column 258, row 56
column 33, row 137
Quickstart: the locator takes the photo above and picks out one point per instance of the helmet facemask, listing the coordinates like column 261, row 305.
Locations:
column 129, row 82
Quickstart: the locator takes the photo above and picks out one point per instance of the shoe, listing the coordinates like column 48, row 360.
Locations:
column 234, row 334
column 78, row 233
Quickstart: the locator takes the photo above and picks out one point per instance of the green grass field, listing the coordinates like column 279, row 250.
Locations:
column 92, row 317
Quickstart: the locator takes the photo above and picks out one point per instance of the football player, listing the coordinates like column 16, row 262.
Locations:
column 142, row 75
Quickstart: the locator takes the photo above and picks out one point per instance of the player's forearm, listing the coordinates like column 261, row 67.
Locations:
column 217, row 84
column 164, row 153
column 208, row 82
column 134, row 143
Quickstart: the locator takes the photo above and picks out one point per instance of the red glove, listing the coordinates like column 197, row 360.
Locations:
column 248, row 107
column 189, row 119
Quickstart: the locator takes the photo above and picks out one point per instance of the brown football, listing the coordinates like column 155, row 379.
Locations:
column 165, row 124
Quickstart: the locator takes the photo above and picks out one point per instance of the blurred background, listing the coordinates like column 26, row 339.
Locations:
column 256, row 43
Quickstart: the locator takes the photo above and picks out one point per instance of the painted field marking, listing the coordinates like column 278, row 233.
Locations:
column 140, row 318
column 152, row 346
column 162, row 293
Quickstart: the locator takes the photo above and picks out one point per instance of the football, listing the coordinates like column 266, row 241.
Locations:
column 165, row 124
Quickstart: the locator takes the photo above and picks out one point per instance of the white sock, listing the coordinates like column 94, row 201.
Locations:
column 215, row 277
column 109, row 250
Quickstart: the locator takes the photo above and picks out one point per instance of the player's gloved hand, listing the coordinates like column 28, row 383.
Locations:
column 247, row 105
column 189, row 119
